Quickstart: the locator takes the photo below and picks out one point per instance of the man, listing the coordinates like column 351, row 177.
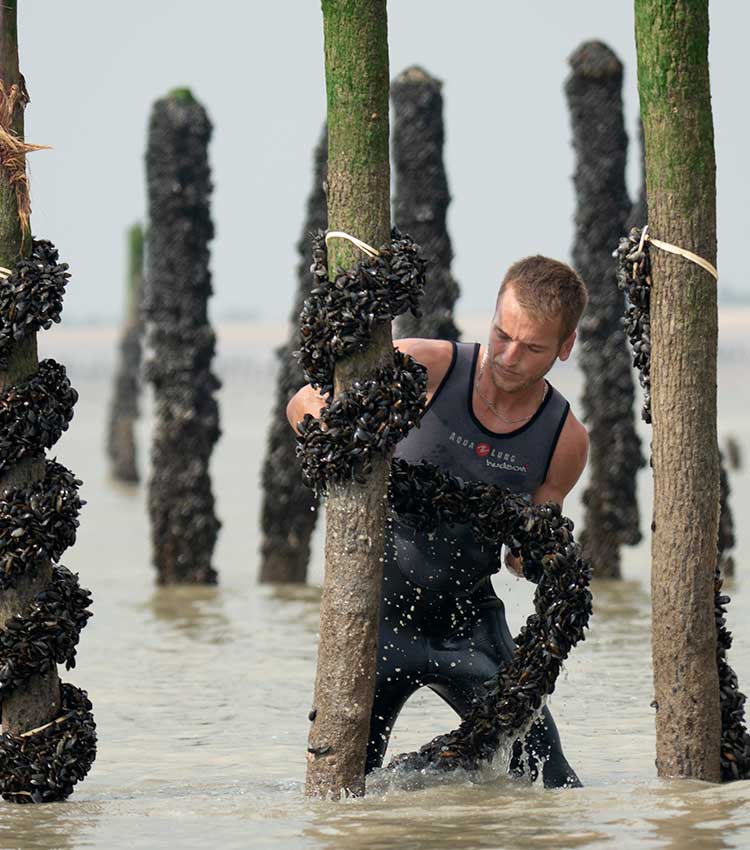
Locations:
column 490, row 416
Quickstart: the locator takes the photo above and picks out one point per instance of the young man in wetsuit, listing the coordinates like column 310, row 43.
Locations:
column 491, row 416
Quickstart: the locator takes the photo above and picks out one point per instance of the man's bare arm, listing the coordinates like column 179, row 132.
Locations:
column 306, row 400
column 566, row 467
column 434, row 354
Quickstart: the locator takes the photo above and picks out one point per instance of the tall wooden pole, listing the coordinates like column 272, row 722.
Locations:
column 594, row 93
column 184, row 525
column 422, row 197
column 673, row 80
column 289, row 514
column 356, row 62
column 38, row 700
column 123, row 413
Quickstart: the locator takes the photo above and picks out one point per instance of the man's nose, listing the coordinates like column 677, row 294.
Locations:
column 512, row 353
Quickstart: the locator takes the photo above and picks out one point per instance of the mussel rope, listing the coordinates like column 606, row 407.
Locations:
column 634, row 279
column 372, row 416
column 38, row 523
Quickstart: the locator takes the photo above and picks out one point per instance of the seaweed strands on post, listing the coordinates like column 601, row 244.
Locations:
column 289, row 514
column 421, row 198
column 368, row 420
column 181, row 341
column 634, row 279
column 123, row 414
column 593, row 91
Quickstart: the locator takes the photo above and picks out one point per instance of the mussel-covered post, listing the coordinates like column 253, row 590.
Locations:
column 673, row 81
column 357, row 77
column 123, row 413
column 594, row 96
column 184, row 526
column 289, row 514
column 48, row 739
column 726, row 539
column 421, row 198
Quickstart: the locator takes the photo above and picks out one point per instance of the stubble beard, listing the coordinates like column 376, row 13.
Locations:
column 502, row 383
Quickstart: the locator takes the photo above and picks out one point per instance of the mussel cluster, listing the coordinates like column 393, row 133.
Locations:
column 335, row 321
column 33, row 415
column 38, row 523
column 44, row 764
column 337, row 318
column 180, row 341
column 369, row 418
column 735, row 741
column 424, row 496
column 634, row 278
column 47, row 633
column 422, row 197
column 31, row 297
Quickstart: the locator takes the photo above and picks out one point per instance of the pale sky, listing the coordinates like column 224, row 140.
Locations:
column 94, row 68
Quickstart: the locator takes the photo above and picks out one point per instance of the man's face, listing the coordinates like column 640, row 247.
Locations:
column 522, row 347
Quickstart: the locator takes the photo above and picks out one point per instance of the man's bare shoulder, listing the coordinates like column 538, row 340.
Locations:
column 574, row 438
column 435, row 355
column 568, row 461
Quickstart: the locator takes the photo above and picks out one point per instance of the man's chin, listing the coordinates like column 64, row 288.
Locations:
column 509, row 384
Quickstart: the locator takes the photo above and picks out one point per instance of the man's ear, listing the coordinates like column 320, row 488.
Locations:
column 567, row 347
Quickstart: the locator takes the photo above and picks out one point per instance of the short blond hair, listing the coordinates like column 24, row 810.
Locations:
column 548, row 287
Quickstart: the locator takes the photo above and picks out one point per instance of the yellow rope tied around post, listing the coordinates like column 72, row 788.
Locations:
column 363, row 246
column 682, row 252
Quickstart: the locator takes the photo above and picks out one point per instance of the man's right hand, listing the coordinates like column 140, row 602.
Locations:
column 436, row 355
column 306, row 400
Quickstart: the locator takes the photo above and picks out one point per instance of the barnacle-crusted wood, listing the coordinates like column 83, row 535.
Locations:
column 726, row 541
column 357, row 76
column 288, row 515
column 424, row 496
column 361, row 424
column 39, row 700
column 421, row 198
column 673, row 81
column 634, row 278
column 43, row 608
column 48, row 739
column 593, row 91
column 184, row 526
column 123, row 412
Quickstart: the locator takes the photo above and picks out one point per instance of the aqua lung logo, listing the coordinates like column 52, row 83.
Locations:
column 492, row 457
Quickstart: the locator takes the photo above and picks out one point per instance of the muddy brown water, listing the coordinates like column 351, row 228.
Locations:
column 201, row 695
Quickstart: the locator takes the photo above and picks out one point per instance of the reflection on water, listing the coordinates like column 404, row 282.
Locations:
column 194, row 610
column 50, row 827
column 201, row 695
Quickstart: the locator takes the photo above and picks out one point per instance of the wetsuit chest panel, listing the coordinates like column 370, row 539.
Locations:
column 451, row 436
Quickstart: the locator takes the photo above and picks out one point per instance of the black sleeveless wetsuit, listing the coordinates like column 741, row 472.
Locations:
column 442, row 625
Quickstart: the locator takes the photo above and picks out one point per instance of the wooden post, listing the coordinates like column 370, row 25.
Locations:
column 121, row 446
column 673, row 80
column 422, row 198
column 184, row 526
column 288, row 515
column 356, row 61
column 594, row 93
column 38, row 700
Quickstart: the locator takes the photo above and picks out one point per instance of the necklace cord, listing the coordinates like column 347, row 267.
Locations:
column 491, row 406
